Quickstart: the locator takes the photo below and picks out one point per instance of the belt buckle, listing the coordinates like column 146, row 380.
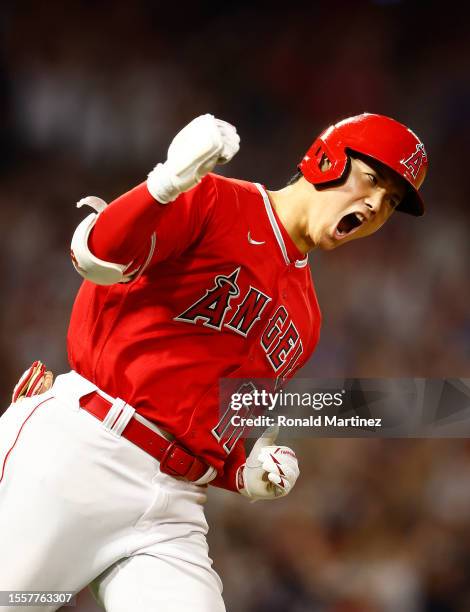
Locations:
column 176, row 460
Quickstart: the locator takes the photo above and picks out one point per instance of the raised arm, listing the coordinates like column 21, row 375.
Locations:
column 116, row 242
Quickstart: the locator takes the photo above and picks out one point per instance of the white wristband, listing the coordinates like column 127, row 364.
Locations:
column 160, row 185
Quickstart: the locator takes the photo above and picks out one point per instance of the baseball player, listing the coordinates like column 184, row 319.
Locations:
column 190, row 277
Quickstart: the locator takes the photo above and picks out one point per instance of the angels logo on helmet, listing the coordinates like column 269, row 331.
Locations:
column 414, row 162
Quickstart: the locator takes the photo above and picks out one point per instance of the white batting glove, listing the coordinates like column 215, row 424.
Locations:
column 270, row 471
column 195, row 150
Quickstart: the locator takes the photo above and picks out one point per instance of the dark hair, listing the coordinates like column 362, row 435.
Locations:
column 294, row 178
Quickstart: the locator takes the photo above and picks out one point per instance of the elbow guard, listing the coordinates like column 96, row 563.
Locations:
column 88, row 265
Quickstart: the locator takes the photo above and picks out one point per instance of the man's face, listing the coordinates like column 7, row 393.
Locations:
column 356, row 208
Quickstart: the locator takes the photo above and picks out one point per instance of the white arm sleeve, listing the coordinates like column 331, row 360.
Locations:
column 91, row 267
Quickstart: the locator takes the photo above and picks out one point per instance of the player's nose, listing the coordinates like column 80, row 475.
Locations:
column 376, row 200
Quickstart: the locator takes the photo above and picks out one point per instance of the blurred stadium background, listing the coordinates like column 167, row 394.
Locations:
column 91, row 95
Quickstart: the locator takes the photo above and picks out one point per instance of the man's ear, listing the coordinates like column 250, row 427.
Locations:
column 325, row 163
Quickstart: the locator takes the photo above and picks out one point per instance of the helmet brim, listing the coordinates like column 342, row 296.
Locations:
column 412, row 204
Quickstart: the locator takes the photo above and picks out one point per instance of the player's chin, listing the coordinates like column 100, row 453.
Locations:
column 327, row 246
column 329, row 242
column 336, row 239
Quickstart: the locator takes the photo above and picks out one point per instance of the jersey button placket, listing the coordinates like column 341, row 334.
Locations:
column 285, row 283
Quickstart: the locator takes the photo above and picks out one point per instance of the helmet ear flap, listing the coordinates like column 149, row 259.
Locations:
column 323, row 165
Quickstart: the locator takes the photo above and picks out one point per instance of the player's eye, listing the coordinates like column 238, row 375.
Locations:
column 372, row 178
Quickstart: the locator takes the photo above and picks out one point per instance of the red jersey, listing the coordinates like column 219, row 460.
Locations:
column 226, row 294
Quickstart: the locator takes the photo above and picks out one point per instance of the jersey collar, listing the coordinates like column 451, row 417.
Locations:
column 290, row 252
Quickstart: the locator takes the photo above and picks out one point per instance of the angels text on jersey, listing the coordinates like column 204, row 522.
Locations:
column 280, row 339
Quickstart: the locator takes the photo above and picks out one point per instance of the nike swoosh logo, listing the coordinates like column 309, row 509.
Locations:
column 252, row 241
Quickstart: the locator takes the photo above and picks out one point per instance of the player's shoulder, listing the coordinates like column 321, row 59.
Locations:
column 226, row 186
column 231, row 198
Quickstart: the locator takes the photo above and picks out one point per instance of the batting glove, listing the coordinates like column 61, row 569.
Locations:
column 35, row 380
column 195, row 150
column 270, row 471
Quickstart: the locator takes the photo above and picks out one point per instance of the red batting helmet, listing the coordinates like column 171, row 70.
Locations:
column 376, row 136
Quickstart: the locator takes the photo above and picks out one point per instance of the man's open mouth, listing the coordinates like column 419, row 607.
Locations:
column 349, row 224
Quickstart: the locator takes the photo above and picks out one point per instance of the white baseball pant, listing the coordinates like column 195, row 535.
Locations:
column 81, row 504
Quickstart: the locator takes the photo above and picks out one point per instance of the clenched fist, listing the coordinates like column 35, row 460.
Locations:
column 195, row 150
column 270, row 471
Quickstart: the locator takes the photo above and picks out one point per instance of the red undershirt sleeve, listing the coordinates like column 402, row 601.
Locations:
column 122, row 232
column 228, row 479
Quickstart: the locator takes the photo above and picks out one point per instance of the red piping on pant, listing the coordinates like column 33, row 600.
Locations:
column 18, row 435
